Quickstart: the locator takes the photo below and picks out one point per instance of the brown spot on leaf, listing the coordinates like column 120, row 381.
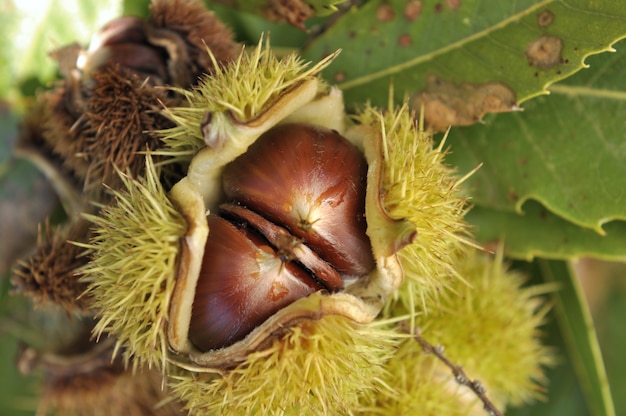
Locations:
column 340, row 76
column 545, row 52
column 384, row 13
column 512, row 195
column 404, row 40
column 438, row 8
column 412, row 9
column 453, row 4
column 545, row 18
column 447, row 104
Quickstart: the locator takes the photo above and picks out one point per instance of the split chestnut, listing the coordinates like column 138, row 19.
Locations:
column 293, row 224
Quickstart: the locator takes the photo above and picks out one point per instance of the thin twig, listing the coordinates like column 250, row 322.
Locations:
column 459, row 375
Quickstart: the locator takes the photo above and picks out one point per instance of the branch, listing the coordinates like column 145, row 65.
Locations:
column 459, row 375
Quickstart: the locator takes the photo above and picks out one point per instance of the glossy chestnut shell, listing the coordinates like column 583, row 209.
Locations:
column 311, row 180
column 293, row 224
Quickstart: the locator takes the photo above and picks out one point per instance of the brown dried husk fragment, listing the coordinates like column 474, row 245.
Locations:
column 198, row 30
column 114, row 130
column 51, row 273
column 120, row 115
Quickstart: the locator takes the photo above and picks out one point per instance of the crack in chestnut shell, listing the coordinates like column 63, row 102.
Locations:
column 289, row 247
column 312, row 181
column 295, row 226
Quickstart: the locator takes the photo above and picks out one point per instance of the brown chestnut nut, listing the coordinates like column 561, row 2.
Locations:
column 243, row 282
column 294, row 225
column 125, row 29
column 311, row 180
column 124, row 42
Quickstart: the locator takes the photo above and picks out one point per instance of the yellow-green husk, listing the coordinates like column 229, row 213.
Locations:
column 316, row 367
column 133, row 255
column 418, row 187
column 491, row 327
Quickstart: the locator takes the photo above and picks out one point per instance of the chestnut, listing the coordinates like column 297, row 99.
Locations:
column 312, row 180
column 124, row 42
column 294, row 224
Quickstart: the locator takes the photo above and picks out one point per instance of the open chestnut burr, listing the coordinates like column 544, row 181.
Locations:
column 296, row 230
column 279, row 222
column 278, row 238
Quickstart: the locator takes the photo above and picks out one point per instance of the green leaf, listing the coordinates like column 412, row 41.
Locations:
column 577, row 326
column 566, row 150
column 444, row 46
column 538, row 233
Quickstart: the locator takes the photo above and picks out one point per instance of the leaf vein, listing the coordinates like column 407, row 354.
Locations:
column 578, row 91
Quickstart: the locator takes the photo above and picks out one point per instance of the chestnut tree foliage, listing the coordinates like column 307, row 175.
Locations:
column 533, row 90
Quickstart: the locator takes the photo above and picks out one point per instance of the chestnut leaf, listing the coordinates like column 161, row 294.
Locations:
column 452, row 55
column 565, row 151
column 539, row 233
